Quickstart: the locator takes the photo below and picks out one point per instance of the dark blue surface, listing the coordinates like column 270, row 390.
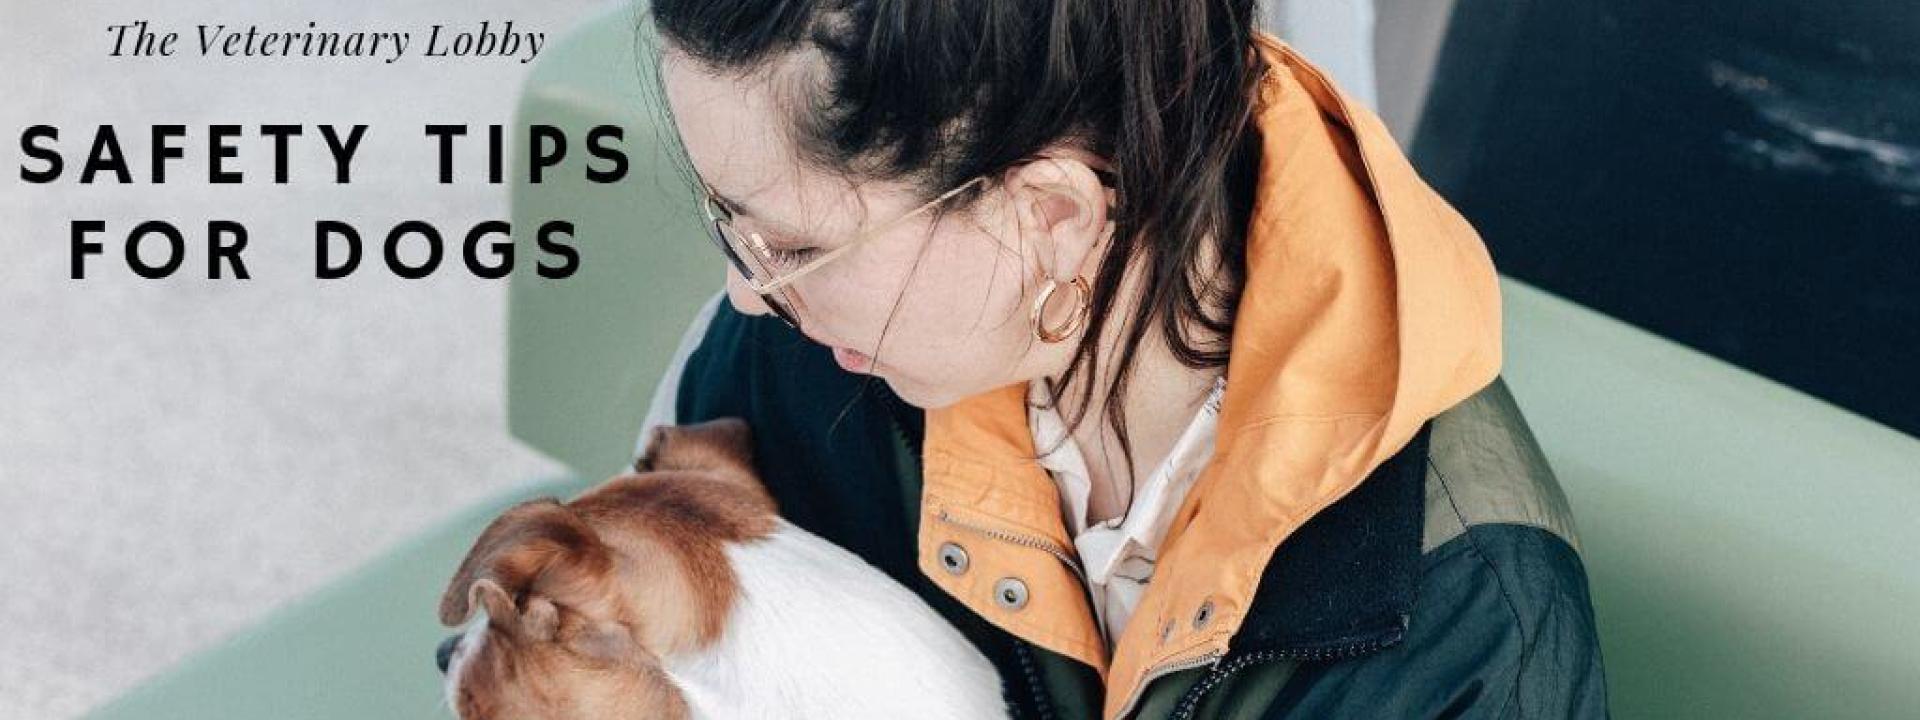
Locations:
column 1740, row 176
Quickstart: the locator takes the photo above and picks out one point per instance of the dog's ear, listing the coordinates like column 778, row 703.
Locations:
column 537, row 547
column 540, row 619
column 604, row 643
column 490, row 598
column 722, row 445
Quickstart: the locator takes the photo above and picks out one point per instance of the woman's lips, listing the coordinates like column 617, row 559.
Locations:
column 852, row 360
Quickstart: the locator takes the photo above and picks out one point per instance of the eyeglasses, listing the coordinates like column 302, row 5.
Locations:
column 769, row 269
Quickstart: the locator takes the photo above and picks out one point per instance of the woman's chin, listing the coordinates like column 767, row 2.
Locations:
column 921, row 396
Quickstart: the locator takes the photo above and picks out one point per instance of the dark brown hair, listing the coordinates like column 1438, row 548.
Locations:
column 934, row 92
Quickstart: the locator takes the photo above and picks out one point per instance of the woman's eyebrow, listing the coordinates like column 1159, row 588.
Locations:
column 734, row 206
column 742, row 210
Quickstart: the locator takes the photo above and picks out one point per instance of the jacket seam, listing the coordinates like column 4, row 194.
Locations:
column 1505, row 596
column 1516, row 522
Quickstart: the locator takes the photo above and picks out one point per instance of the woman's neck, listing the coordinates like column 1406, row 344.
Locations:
column 1162, row 397
column 1162, row 394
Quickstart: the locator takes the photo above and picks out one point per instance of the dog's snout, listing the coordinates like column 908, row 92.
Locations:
column 443, row 656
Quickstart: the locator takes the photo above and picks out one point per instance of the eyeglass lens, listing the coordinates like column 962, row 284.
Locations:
column 737, row 253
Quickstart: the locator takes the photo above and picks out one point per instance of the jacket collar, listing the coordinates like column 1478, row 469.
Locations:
column 1370, row 307
column 1343, row 584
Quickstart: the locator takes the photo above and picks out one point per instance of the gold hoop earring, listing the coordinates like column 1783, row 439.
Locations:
column 1083, row 302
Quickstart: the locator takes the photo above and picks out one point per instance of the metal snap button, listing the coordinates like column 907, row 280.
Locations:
column 1204, row 615
column 953, row 558
column 1010, row 593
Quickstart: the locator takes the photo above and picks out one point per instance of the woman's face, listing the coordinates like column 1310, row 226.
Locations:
column 938, row 310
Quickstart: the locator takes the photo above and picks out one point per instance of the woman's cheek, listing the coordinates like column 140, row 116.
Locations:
column 955, row 314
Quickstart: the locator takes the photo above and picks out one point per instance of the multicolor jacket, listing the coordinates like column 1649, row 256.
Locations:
column 1378, row 534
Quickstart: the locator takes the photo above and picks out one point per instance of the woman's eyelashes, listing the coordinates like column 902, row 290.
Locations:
column 794, row 257
column 781, row 252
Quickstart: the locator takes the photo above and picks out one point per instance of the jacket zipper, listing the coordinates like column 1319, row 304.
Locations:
column 1190, row 702
column 1066, row 557
column 1033, row 541
column 1042, row 702
column 1162, row 670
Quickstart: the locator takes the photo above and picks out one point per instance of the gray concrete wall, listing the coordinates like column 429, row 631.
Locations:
column 1380, row 51
column 178, row 457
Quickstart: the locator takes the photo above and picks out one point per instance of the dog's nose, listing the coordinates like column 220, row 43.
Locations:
column 443, row 656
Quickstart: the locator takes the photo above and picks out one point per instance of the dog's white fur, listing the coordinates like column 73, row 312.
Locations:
column 819, row 633
column 470, row 640
column 816, row 633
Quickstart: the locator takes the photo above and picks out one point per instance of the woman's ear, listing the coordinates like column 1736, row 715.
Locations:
column 1061, row 203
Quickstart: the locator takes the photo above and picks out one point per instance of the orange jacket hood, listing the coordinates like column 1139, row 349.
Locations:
column 1370, row 307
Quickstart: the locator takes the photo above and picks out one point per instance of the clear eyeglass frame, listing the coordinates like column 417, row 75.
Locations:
column 758, row 262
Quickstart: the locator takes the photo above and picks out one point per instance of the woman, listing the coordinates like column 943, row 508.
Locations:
column 1187, row 398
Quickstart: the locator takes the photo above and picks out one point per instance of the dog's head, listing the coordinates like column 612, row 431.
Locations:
column 582, row 600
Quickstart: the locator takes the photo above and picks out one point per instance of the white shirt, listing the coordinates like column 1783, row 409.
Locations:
column 1119, row 553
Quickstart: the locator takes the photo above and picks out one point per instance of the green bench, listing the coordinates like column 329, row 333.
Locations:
column 1753, row 552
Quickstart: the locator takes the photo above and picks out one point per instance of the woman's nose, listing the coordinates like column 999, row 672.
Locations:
column 743, row 297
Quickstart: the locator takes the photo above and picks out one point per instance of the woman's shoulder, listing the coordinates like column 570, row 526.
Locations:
column 1484, row 467
column 1503, row 592
column 1498, row 527
column 1498, row 621
column 1503, row 627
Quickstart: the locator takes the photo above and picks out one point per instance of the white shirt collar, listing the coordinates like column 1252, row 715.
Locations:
column 1118, row 554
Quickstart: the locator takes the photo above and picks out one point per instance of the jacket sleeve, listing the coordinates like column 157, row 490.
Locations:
column 1503, row 628
column 666, row 394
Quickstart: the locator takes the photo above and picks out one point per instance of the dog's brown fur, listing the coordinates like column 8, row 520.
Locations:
column 584, row 598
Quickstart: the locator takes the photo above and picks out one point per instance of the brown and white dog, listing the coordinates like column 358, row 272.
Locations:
column 676, row 592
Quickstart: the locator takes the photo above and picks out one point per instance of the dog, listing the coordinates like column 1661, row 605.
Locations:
column 676, row 592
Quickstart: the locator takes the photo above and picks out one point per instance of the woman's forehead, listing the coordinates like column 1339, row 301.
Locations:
column 726, row 124
column 730, row 128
